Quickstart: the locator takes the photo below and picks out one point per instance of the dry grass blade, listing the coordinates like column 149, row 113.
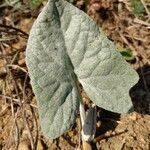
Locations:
column 23, row 114
column 146, row 9
column 16, row 29
column 18, row 67
column 7, row 39
column 136, row 20
column 15, row 100
column 35, row 126
column 16, row 136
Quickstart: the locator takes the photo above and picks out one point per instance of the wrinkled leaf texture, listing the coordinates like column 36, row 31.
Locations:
column 65, row 46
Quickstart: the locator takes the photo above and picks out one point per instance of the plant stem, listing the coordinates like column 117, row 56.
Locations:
column 82, row 113
column 85, row 145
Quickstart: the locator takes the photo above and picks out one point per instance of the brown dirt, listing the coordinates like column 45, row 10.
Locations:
column 19, row 124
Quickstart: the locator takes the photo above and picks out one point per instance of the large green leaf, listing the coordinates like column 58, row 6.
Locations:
column 64, row 46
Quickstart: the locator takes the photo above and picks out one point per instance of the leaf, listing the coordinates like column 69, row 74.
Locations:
column 64, row 46
column 127, row 54
column 52, row 76
column 35, row 3
column 138, row 8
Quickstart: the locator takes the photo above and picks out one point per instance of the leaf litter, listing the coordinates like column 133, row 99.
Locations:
column 19, row 127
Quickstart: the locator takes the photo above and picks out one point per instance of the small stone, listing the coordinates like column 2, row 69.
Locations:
column 133, row 117
column 24, row 145
column 40, row 145
column 21, row 62
column 3, row 71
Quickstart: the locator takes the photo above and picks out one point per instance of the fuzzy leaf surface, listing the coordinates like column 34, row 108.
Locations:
column 64, row 46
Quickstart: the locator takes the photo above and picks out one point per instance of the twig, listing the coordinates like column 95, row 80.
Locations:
column 7, row 39
column 15, row 100
column 136, row 20
column 35, row 124
column 108, row 135
column 7, row 97
column 14, row 58
column 24, row 87
column 146, row 9
column 11, row 130
column 29, row 132
column 16, row 66
column 136, row 38
column 24, row 115
column 17, row 138
column 16, row 29
column 36, row 127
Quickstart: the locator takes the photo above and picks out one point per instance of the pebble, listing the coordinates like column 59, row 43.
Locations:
column 3, row 70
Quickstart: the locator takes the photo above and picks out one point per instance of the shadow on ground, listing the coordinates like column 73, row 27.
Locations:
column 140, row 93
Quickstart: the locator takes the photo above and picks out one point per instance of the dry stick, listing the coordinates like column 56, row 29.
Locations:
column 12, row 108
column 136, row 38
column 16, row 29
column 7, row 39
column 10, row 133
column 24, row 115
column 10, row 98
column 14, row 58
column 36, row 124
column 27, row 125
column 146, row 9
column 108, row 135
column 136, row 20
column 13, row 125
column 17, row 139
column 16, row 66
column 15, row 100
column 4, row 54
